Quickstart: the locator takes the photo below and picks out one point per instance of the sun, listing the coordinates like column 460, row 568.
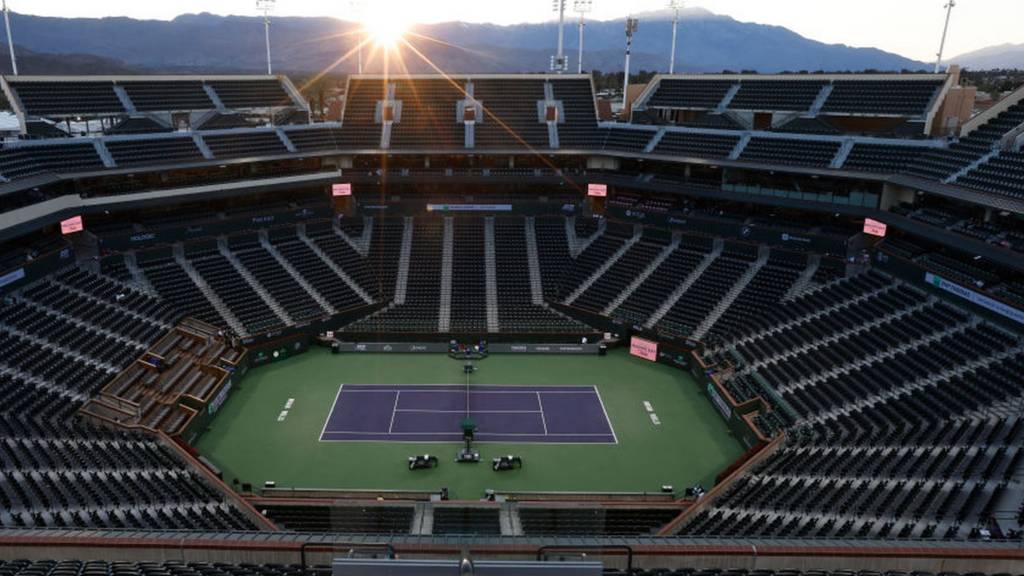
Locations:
column 385, row 28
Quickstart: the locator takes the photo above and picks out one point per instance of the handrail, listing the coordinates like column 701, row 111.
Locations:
column 543, row 551
column 371, row 546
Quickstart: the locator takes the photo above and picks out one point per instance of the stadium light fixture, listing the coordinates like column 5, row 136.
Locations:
column 266, row 6
column 632, row 25
column 558, row 63
column 945, row 30
column 582, row 7
column 676, row 6
column 10, row 39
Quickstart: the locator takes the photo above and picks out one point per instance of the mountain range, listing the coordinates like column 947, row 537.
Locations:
column 207, row 43
column 1003, row 56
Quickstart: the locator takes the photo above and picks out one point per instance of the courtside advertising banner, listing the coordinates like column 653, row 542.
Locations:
column 643, row 349
column 976, row 298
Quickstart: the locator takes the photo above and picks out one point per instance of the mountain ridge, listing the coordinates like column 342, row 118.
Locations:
column 201, row 43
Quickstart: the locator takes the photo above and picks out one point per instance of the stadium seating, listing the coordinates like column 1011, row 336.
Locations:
column 314, row 270
column 137, row 125
column 282, row 287
column 315, row 139
column 59, row 99
column 697, row 145
column 429, row 118
column 941, row 164
column 694, row 94
column 518, row 312
column 593, row 257
column 238, row 94
column 510, row 119
column 64, row 339
column 552, row 251
column 579, row 129
column 25, row 161
column 469, row 291
column 156, row 96
column 229, row 285
column 703, row 296
column 645, row 300
column 1002, row 175
column 882, row 97
column 419, row 312
column 479, row 521
column 793, row 152
column 804, row 125
column 594, row 521
column 625, row 140
column 775, row 95
column 378, row 519
column 886, row 410
column 244, row 144
column 881, row 158
column 600, row 294
column 156, row 151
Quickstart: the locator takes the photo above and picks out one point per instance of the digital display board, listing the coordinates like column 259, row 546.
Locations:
column 72, row 225
column 643, row 349
column 341, row 190
column 597, row 190
column 875, row 228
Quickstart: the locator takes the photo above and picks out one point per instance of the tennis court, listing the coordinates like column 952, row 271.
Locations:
column 432, row 413
column 271, row 427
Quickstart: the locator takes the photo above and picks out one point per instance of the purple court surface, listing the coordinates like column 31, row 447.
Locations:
column 432, row 413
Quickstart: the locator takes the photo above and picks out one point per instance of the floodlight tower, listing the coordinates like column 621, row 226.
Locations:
column 558, row 63
column 632, row 24
column 675, row 5
column 266, row 6
column 942, row 45
column 10, row 39
column 582, row 7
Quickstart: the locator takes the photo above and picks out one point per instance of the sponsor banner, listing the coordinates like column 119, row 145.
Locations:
column 787, row 237
column 597, row 190
column 12, row 277
column 875, row 228
column 976, row 298
column 394, row 347
column 469, row 207
column 218, row 400
column 543, row 348
column 72, row 225
column 341, row 190
column 642, row 348
column 442, row 348
column 723, row 407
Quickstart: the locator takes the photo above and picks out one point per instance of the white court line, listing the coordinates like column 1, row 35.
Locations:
column 543, row 419
column 331, row 413
column 459, row 434
column 585, row 391
column 588, row 390
column 471, row 411
column 606, row 418
column 394, row 410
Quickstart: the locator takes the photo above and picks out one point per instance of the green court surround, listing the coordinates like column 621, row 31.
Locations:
column 248, row 442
